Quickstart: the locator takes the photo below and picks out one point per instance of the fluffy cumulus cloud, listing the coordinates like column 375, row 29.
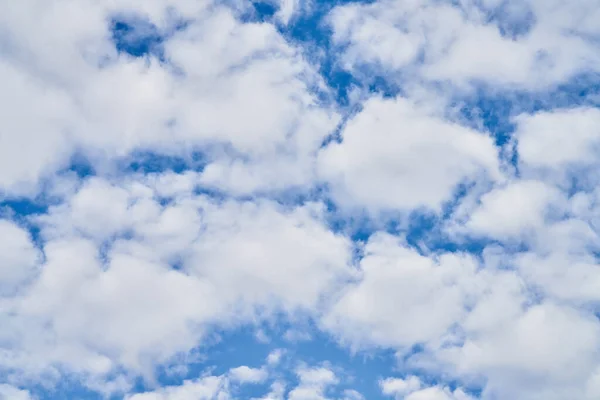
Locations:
column 312, row 383
column 181, row 267
column 303, row 200
column 412, row 388
column 10, row 392
column 433, row 293
column 529, row 44
column 396, row 154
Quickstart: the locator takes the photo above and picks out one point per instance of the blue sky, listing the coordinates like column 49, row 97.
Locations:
column 299, row 199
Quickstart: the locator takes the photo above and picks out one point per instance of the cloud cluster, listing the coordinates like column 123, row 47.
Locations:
column 412, row 388
column 237, row 89
column 405, row 223
column 312, row 384
column 517, row 44
column 128, row 281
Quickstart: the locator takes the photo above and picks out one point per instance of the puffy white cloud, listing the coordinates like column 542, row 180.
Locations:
column 275, row 356
column 128, row 272
column 207, row 388
column 246, row 374
column 479, row 321
column 373, row 40
column 467, row 41
column 257, row 236
column 314, row 382
column 564, row 267
column 399, row 386
column 396, row 154
column 288, row 8
column 521, row 207
column 559, row 138
column 547, row 350
column 34, row 116
column 277, row 392
column 239, row 87
column 11, row 393
column 91, row 317
column 18, row 257
column 437, row 393
column 402, row 298
column 108, row 294
column 412, row 388
column 350, row 394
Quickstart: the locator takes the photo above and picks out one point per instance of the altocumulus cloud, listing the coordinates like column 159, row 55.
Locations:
column 304, row 200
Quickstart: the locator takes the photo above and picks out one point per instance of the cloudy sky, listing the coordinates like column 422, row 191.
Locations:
column 300, row 199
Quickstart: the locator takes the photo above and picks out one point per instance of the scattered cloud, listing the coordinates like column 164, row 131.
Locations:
column 289, row 199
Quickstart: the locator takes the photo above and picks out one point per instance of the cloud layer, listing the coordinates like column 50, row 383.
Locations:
column 389, row 199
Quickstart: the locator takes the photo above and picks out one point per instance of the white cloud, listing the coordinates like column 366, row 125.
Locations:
column 66, row 102
column 372, row 39
column 314, row 382
column 246, row 374
column 18, row 257
column 107, row 294
column 296, row 335
column 412, row 388
column 277, row 392
column 8, row 392
column 398, row 155
column 287, row 9
column 479, row 321
column 433, row 293
column 511, row 211
column 458, row 43
column 438, row 393
column 207, row 388
column 559, row 138
column 547, row 350
column 275, row 356
column 399, row 386
column 563, row 265
column 350, row 394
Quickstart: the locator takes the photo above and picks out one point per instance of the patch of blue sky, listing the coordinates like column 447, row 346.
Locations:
column 23, row 207
column 136, row 36
column 360, row 371
column 261, row 11
column 422, row 228
column 220, row 352
column 424, row 232
column 230, row 349
column 147, row 162
column 364, row 368
column 20, row 210
column 38, row 201
column 581, row 91
column 309, row 30
column 81, row 166
column 494, row 109
column 514, row 19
